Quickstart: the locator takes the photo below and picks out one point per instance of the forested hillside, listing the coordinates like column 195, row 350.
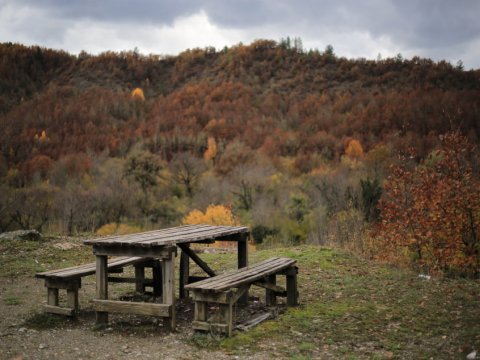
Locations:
column 298, row 145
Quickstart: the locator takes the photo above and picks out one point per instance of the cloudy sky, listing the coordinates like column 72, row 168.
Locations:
column 438, row 29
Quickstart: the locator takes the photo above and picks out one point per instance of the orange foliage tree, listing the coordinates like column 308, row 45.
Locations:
column 354, row 150
column 211, row 152
column 430, row 214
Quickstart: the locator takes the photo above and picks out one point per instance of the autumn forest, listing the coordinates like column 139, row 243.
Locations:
column 377, row 156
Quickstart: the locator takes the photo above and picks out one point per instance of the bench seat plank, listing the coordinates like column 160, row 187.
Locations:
column 247, row 275
column 87, row 269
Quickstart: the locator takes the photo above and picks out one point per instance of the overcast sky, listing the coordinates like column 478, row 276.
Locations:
column 438, row 29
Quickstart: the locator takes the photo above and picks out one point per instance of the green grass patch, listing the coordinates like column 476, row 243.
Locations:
column 11, row 299
column 349, row 307
column 353, row 308
column 42, row 321
column 28, row 257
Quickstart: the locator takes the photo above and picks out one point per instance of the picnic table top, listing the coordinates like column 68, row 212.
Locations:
column 170, row 236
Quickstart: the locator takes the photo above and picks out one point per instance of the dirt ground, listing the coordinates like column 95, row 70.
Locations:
column 23, row 334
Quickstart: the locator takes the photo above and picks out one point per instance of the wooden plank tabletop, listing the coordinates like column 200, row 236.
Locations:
column 169, row 236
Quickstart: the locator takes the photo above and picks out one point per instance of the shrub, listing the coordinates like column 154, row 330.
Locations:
column 430, row 213
column 117, row 229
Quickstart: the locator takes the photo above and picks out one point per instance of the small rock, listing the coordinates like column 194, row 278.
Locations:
column 22, row 329
column 33, row 235
column 472, row 355
column 425, row 277
column 42, row 346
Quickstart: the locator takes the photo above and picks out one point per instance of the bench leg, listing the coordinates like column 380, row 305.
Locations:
column 226, row 313
column 140, row 277
column 53, row 286
column 52, row 297
column 200, row 311
column 157, row 278
column 270, row 296
column 72, row 299
column 292, row 292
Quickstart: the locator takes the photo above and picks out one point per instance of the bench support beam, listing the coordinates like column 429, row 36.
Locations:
column 138, row 308
column 203, row 265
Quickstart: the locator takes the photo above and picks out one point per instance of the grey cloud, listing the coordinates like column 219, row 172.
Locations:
column 138, row 11
column 419, row 23
column 414, row 23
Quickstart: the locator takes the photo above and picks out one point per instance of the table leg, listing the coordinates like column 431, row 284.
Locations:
column 102, row 287
column 292, row 292
column 242, row 254
column 184, row 274
column 168, row 272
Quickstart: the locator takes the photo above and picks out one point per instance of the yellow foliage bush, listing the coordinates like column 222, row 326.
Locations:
column 137, row 93
column 213, row 215
column 117, row 229
column 42, row 138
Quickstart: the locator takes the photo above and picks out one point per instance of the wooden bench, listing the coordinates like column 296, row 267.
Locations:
column 220, row 290
column 69, row 279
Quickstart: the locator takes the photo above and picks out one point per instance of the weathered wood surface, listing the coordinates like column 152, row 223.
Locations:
column 242, row 260
column 202, row 264
column 53, row 309
column 220, row 290
column 254, row 321
column 171, row 236
column 168, row 292
column 88, row 269
column 162, row 244
column 130, row 280
column 138, row 308
column 243, row 276
column 292, row 292
column 102, row 287
column 184, row 272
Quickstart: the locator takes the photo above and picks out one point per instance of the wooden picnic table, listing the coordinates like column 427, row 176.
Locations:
column 160, row 244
